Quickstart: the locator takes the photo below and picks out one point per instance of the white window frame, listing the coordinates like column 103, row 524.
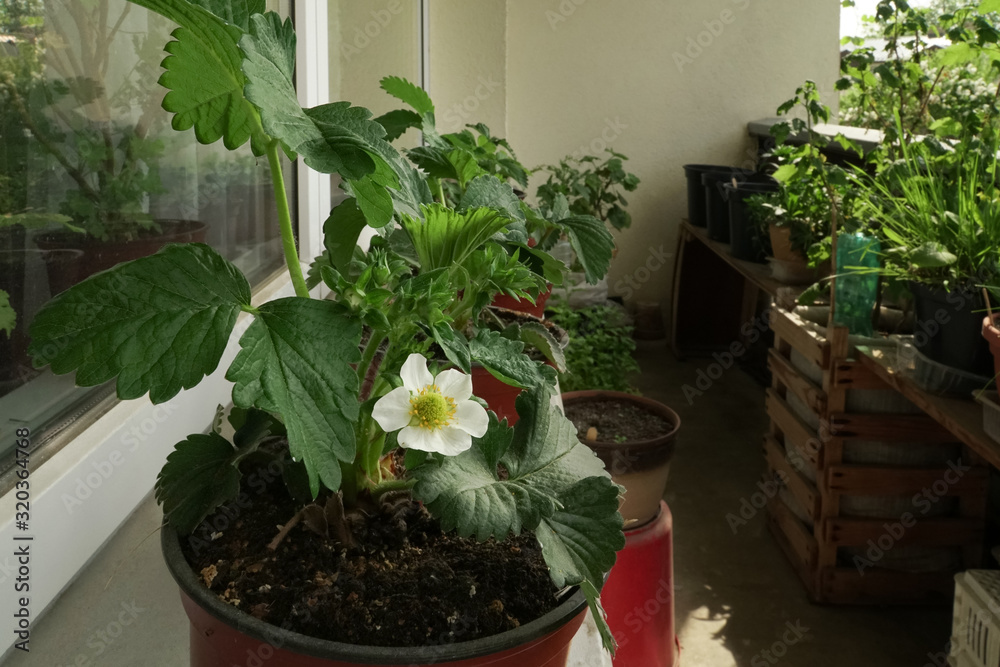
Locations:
column 85, row 491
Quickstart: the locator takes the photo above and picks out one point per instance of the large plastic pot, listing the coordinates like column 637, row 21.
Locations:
column 949, row 328
column 222, row 635
column 746, row 241
column 716, row 206
column 696, row 190
column 102, row 255
column 641, row 467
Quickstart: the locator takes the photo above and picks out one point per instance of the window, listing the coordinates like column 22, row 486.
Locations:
column 92, row 174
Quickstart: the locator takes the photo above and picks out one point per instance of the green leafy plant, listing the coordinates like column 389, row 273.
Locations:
column 599, row 354
column 591, row 186
column 346, row 379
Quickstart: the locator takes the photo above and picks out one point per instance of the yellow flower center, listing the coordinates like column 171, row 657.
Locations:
column 430, row 409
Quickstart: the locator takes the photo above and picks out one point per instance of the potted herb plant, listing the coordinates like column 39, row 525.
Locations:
column 384, row 459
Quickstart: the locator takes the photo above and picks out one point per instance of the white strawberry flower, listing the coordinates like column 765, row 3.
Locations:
column 432, row 414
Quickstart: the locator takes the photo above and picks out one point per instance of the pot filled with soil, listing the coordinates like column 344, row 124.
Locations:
column 382, row 585
column 102, row 255
column 635, row 438
column 949, row 328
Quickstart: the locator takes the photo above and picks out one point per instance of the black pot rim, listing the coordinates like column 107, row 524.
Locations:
column 705, row 168
column 638, row 445
column 364, row 655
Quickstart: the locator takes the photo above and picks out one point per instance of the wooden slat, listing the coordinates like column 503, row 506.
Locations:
column 851, row 374
column 846, row 532
column 791, row 328
column 796, row 432
column 807, row 391
column 961, row 416
column 841, row 585
column 795, row 540
column 799, row 486
column 890, row 481
column 889, row 428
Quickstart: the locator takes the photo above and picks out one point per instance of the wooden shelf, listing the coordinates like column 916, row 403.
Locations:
column 962, row 417
column 758, row 274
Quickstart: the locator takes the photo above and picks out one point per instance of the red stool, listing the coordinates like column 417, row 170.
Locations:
column 639, row 596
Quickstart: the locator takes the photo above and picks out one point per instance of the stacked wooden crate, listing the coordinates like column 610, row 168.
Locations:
column 888, row 528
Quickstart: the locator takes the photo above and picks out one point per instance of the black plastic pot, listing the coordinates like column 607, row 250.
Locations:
column 949, row 328
column 221, row 634
column 746, row 240
column 696, row 190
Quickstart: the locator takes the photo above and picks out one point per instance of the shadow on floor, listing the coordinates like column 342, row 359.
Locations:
column 738, row 601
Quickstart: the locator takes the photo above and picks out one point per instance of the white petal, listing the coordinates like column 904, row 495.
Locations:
column 392, row 411
column 471, row 418
column 453, row 441
column 415, row 374
column 414, row 437
column 455, row 384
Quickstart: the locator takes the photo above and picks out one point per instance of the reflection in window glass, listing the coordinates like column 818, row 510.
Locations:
column 91, row 174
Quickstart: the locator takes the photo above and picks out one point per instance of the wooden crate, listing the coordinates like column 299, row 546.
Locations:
column 822, row 541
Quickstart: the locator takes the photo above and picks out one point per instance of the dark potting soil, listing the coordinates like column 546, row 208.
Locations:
column 616, row 421
column 406, row 583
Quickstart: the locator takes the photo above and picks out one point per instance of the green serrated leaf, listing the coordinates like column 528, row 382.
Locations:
column 958, row 54
column 989, row 6
column 202, row 473
column 445, row 238
column 204, row 76
column 593, row 244
column 341, row 232
column 506, row 361
column 932, row 255
column 487, row 191
column 288, row 366
column 538, row 336
column 554, row 485
column 8, row 317
column 237, row 12
column 785, row 173
column 408, row 93
column 396, row 123
column 160, row 323
column 454, row 346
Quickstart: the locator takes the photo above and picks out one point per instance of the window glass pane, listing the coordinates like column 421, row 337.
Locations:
column 92, row 174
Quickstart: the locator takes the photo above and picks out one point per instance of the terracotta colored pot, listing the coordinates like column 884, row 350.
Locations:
column 501, row 398
column 641, row 467
column 537, row 309
column 992, row 335
column 781, row 246
column 222, row 635
column 102, row 255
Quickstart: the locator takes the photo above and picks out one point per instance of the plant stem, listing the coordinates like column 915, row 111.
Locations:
column 393, row 485
column 365, row 367
column 285, row 218
column 440, row 192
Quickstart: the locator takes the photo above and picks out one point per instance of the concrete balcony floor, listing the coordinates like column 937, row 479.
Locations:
column 736, row 596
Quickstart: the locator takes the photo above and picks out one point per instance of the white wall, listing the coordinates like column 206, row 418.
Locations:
column 665, row 82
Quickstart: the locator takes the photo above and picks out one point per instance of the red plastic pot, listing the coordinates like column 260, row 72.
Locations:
column 537, row 309
column 992, row 335
column 639, row 596
column 222, row 635
column 501, row 398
